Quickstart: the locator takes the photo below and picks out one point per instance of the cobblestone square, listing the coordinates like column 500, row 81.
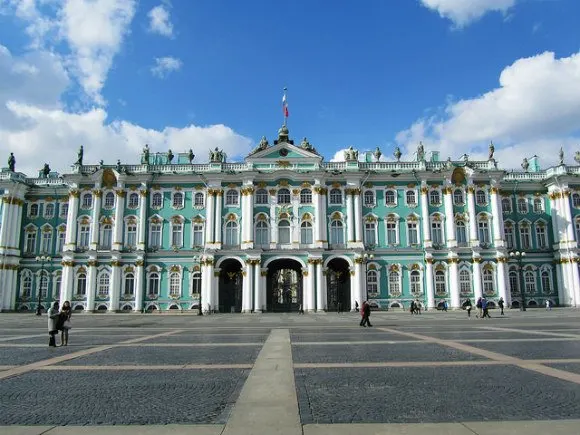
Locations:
column 27, row 355
column 534, row 350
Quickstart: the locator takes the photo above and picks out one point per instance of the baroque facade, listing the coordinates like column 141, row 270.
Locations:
column 284, row 231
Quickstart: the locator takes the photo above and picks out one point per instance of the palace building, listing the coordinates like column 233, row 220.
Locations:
column 283, row 230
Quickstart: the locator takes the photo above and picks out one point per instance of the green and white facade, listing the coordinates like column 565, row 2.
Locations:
column 285, row 230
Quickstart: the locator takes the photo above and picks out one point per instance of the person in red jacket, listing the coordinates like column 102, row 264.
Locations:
column 365, row 312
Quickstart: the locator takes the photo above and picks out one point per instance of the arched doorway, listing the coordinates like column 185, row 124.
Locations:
column 284, row 288
column 230, row 286
column 338, row 285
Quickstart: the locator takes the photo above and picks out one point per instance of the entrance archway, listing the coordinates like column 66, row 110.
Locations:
column 230, row 286
column 284, row 286
column 338, row 285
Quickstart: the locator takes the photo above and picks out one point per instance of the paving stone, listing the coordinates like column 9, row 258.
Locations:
column 432, row 394
column 540, row 350
column 77, row 340
column 474, row 335
column 120, row 397
column 209, row 338
column 28, row 355
column 352, row 337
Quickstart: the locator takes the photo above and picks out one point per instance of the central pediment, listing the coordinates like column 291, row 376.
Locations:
column 284, row 149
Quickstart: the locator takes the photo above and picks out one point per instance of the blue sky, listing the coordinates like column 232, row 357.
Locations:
column 455, row 74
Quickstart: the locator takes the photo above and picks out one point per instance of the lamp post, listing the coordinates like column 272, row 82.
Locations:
column 196, row 260
column 42, row 259
column 366, row 257
column 519, row 256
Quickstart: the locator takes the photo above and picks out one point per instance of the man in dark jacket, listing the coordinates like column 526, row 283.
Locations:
column 365, row 313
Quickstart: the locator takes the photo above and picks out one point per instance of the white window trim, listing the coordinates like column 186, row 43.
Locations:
column 342, row 197
column 151, row 270
column 173, row 224
column 149, row 232
column 510, row 200
column 374, row 203
column 160, row 192
column 463, row 193
column 416, row 203
column 180, row 274
column 493, row 277
column 525, row 198
column 124, row 283
column 445, row 275
column 542, row 205
column 256, row 203
column 486, row 197
column 44, row 208
column 431, row 203
column 268, row 229
column 547, row 268
column 463, row 266
column 541, row 223
column 100, row 272
column 237, row 204
column 180, row 206
column 311, row 222
column 194, row 222
column 441, row 221
column 30, row 215
column 127, row 220
column 395, row 193
column 344, row 231
column 105, row 206
column 203, row 199
column 237, row 221
column 375, row 221
column 387, row 221
column 421, row 281
column 417, row 223
column 400, row 280
column 377, row 269
column 82, row 200
column 133, row 207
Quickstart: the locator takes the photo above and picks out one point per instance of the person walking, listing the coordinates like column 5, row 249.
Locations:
column 417, row 307
column 445, row 306
column 412, row 309
column 548, row 305
column 53, row 316
column 65, row 314
column 365, row 314
column 479, row 309
column 501, row 303
column 468, row 307
column 485, row 308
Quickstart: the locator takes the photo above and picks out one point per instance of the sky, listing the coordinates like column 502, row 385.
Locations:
column 114, row 75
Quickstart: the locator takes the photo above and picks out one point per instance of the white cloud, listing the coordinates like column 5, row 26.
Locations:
column 159, row 21
column 535, row 110
column 463, row 12
column 165, row 65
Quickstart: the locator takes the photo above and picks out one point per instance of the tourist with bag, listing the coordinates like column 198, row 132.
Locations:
column 65, row 314
column 53, row 316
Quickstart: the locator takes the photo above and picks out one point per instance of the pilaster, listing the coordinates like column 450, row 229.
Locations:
column 139, row 282
column 209, row 216
column 321, row 301
column 502, row 280
column 115, row 285
column 258, row 288
column 349, row 218
column 473, row 240
column 92, row 265
column 497, row 218
column 143, row 205
column 98, row 195
column 430, row 289
column 247, row 286
column 310, row 296
column 71, row 222
column 425, row 216
column 454, row 283
column 449, row 218
column 119, row 222
column 476, row 275
column 218, row 217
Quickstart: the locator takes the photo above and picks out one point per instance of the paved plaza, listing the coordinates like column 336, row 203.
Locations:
column 437, row 373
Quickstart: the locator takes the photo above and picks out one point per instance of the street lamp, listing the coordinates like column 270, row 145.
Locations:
column 519, row 256
column 196, row 260
column 43, row 259
column 366, row 257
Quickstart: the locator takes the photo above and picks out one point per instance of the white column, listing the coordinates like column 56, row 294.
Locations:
column 263, row 286
column 354, row 287
column 430, row 290
column 497, row 218
column 214, row 290
column 14, row 229
column 320, row 287
column 209, row 217
column 501, row 281
column 11, row 286
column 323, row 221
column 554, row 215
column 273, row 220
column 568, row 217
column 119, row 222
column 247, row 288
column 207, row 296
column 115, row 285
column 71, row 221
column 17, row 226
column 454, row 283
column 206, row 279
column 258, row 288
column 318, row 218
column 139, row 283
column 295, row 225
column 91, row 284
column 218, row 217
column 560, row 285
column 66, row 284
column 449, row 219
column 97, row 194
column 476, row 276
column 575, row 280
column 142, row 219
column 473, row 240
column 310, row 301
column 425, row 217
column 349, row 215
column 6, row 208
column 358, row 217
column 360, row 293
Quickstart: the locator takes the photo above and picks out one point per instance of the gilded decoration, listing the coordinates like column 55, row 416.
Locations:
column 453, row 260
column 470, row 189
column 283, row 215
column 283, row 183
column 336, row 215
column 109, row 179
column 358, row 260
column 98, row 193
column 82, row 270
column 440, row 267
column 216, row 273
column 68, row 263
column 231, row 217
column 414, row 266
column 75, row 193
column 411, row 186
column 46, row 229
column 368, row 185
column 488, row 267
column 261, row 217
column 477, row 260
column 85, row 221
column 198, row 219
column 273, row 192
column 283, row 163
column 458, row 176
column 370, row 218
column 502, row 259
column 394, row 268
column 429, row 260
column 92, row 263
column 262, row 184
column 321, row 190
column 306, row 217
column 30, row 230
column 306, row 184
column 295, row 192
column 372, row 267
column 129, row 269
column 424, row 190
column 263, row 273
column 120, row 193
column 175, row 268
column 336, row 185
column 115, row 263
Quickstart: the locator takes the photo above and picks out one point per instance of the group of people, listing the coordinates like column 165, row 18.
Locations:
column 59, row 321
column 415, row 307
column 482, row 306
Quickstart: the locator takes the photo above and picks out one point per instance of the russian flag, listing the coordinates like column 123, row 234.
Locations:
column 284, row 105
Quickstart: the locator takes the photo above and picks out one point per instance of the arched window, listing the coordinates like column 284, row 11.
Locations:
column 131, row 235
column 530, row 282
column 336, row 232
column 178, row 200
column 43, row 284
column 514, row 282
column 109, row 200
column 522, row 205
column 103, row 285
column 525, row 238
column 412, row 232
column 411, row 198
column 261, row 197
column 576, row 200
column 49, row 210
column 483, row 230
column 30, row 246
column 84, row 235
column 335, row 197
column 541, row 236
column 435, row 197
column 133, row 200
column 461, row 233
column 370, row 233
column 175, row 284
column 196, row 284
column 440, row 285
column 283, row 196
column 61, row 236
column 464, row 282
column 284, row 232
column 63, row 210
column 232, row 197
column 458, row 197
column 34, row 210
column 153, row 284
column 305, row 196
column 437, row 232
column 87, row 200
column 26, row 286
column 197, row 234
column 394, row 283
column 177, row 233
column 390, row 197
column 372, row 282
column 488, row 282
column 546, row 282
column 81, row 289
column 392, row 232
column 480, row 197
column 57, row 285
column 508, row 232
column 198, row 199
column 46, row 240
column 506, row 205
column 369, row 198
column 416, row 287
column 157, row 200
column 155, row 232
column 262, row 234
column 306, row 235
column 231, row 238
column 538, row 205
column 129, row 284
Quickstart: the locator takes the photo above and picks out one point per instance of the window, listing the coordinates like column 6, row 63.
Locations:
column 480, row 197
column 60, row 240
column 458, row 197
column 508, row 232
column 305, row 196
column 64, row 209
column 49, row 210
column 198, row 200
column 81, row 284
column 26, row 290
column 576, row 200
column 261, row 197
column 283, row 196
column 103, row 285
column 522, row 205
column 372, row 282
column 175, row 284
column 84, row 235
column 43, row 284
column 157, row 200
column 153, row 284
column 525, row 239
column 436, row 233
column 506, row 205
column 196, row 284
column 411, row 198
column 435, row 197
column 197, row 232
column 335, row 197
column 133, row 200
column 231, row 234
column 177, row 234
column 177, row 200
column 30, row 247
column 106, row 236
column 336, row 233
column 514, row 283
column 413, row 233
column 390, row 198
column 483, row 231
column 369, row 198
column 392, row 236
column 87, row 201
column 488, row 283
column 34, row 210
column 541, row 236
column 284, row 232
column 464, row 282
column 131, row 235
column 306, row 236
column 155, row 235
column 57, row 285
column 129, row 284
column 530, row 282
column 262, row 233
column 394, row 283
column 538, row 205
column 46, row 242
column 415, row 279
column 440, row 287
column 461, row 233
column 577, row 230
column 370, row 233
column 546, row 282
column 109, row 200
column 232, row 197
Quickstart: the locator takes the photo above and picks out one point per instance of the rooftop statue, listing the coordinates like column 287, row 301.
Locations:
column 305, row 145
column 491, row 151
column 561, row 156
column 377, row 154
column 169, row 156
column 577, row 157
column 46, row 170
column 190, row 156
column 397, row 153
column 262, row 145
column 420, row 152
column 80, row 155
column 145, row 155
column 350, row 154
column 216, row 156
column 525, row 164
column 11, row 162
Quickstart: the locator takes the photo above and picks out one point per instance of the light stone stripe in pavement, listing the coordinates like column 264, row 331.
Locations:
column 21, row 337
column 150, row 367
column 546, row 333
column 339, row 343
column 126, row 344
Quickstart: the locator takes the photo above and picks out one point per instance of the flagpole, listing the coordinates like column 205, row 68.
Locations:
column 284, row 107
